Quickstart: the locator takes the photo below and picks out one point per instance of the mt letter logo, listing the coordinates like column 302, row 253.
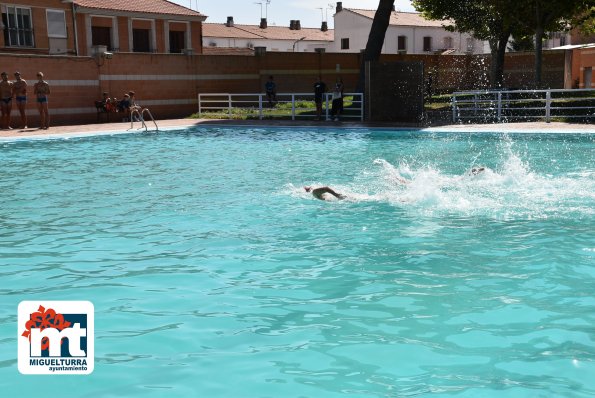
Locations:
column 56, row 337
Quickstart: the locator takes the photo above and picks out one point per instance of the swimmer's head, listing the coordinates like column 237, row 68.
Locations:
column 476, row 170
column 307, row 189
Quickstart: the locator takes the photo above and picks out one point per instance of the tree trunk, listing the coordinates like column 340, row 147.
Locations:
column 498, row 52
column 375, row 38
column 539, row 23
column 538, row 55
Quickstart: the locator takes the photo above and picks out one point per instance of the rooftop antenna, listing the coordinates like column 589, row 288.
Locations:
column 325, row 15
column 321, row 14
column 259, row 2
column 266, row 9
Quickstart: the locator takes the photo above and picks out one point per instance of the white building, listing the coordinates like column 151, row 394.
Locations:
column 291, row 38
column 407, row 33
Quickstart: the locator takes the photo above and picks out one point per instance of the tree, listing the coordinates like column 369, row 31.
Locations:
column 541, row 16
column 490, row 20
column 376, row 37
column 584, row 22
column 522, row 43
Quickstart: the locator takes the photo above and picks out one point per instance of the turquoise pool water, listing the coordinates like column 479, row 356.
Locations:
column 213, row 274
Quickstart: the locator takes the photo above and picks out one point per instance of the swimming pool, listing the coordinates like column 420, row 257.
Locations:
column 214, row 274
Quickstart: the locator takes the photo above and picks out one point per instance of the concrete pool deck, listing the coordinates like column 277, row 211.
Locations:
column 109, row 128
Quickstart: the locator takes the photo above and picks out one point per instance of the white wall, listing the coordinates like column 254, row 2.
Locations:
column 357, row 28
column 271, row 45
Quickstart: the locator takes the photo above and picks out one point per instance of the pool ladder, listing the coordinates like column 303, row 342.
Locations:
column 135, row 113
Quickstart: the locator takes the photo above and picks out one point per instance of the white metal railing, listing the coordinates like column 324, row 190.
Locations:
column 506, row 105
column 294, row 105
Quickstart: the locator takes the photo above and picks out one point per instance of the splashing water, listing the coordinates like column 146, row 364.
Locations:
column 509, row 190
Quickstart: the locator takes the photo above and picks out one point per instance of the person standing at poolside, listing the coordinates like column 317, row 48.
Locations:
column 41, row 89
column 270, row 88
column 5, row 101
column 319, row 90
column 337, row 100
column 19, row 90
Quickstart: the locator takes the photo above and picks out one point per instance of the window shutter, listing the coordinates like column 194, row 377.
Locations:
column 56, row 23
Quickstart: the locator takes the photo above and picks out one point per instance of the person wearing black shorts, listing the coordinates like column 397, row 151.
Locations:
column 319, row 90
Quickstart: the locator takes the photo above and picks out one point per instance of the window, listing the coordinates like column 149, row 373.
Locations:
column 176, row 41
column 56, row 24
column 345, row 44
column 101, row 36
column 448, row 42
column 402, row 44
column 18, row 31
column 141, row 42
column 427, row 43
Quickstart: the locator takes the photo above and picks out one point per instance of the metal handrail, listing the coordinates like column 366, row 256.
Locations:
column 500, row 104
column 256, row 103
column 140, row 115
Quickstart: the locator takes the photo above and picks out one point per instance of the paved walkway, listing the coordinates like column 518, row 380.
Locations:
column 107, row 128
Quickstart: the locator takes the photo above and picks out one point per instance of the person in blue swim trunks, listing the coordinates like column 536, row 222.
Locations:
column 270, row 87
column 19, row 90
column 5, row 101
column 41, row 89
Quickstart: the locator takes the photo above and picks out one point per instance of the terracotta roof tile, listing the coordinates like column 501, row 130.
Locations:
column 402, row 18
column 141, row 6
column 221, row 30
column 271, row 32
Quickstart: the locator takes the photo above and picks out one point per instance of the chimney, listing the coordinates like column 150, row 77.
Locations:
column 324, row 26
column 263, row 23
column 229, row 23
column 292, row 24
column 339, row 6
column 298, row 25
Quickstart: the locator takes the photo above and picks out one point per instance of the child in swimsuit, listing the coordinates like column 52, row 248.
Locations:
column 6, row 100
column 41, row 89
column 19, row 90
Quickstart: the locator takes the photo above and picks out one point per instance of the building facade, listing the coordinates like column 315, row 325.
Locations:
column 407, row 33
column 77, row 27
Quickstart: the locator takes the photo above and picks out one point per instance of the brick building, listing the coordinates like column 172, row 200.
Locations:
column 76, row 27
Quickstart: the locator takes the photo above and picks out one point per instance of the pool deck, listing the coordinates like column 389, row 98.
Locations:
column 111, row 128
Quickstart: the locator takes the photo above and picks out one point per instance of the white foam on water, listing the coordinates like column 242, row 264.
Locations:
column 509, row 189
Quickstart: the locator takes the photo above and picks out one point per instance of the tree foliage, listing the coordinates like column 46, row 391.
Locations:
column 542, row 16
column 496, row 20
column 490, row 20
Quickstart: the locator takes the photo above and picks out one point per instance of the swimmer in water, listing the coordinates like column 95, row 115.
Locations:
column 318, row 193
column 477, row 170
